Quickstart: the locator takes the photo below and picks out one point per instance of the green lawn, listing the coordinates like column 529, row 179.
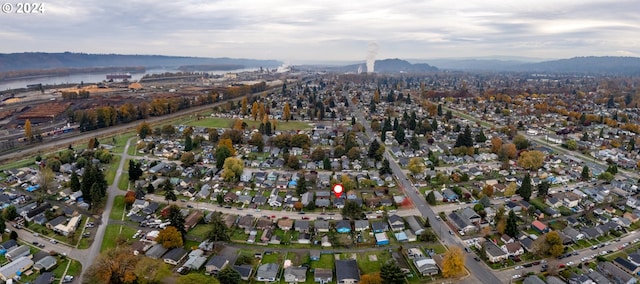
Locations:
column 437, row 248
column 123, row 183
column 325, row 261
column 191, row 244
column 228, row 123
column 118, row 208
column 368, row 265
column 112, row 234
column 113, row 167
column 19, row 164
column 199, row 231
column 121, row 141
column 274, row 257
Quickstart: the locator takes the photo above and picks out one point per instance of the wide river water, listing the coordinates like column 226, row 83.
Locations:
column 91, row 78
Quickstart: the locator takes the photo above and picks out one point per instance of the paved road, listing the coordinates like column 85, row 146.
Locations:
column 112, row 191
column 480, row 273
column 264, row 212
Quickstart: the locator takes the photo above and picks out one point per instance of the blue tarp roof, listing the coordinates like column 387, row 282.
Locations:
column 33, row 187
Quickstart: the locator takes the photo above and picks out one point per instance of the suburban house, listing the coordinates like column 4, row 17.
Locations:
column 323, row 275
column 465, row 220
column 347, row 271
column 45, row 264
column 539, row 227
column 396, row 223
column 415, row 225
column 295, row 274
column 426, row 266
column 192, row 220
column 175, row 255
column 513, row 249
column 245, row 271
column 379, row 226
column 267, row 272
column 215, row 264
column 322, row 226
column 18, row 252
column 610, row 270
column 343, row 226
column 69, row 227
column 287, row 224
column 156, row 251
column 493, row 252
column 11, row 269
column 361, row 225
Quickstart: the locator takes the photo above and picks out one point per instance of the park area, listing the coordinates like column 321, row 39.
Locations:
column 217, row 122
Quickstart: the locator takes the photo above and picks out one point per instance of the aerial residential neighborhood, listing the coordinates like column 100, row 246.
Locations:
column 243, row 190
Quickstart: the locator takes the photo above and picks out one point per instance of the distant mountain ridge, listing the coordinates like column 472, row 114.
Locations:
column 616, row 65
column 42, row 60
column 381, row 66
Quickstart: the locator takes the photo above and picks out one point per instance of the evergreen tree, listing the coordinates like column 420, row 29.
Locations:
column 386, row 167
column 400, row 135
column 415, row 145
column 431, row 198
column 526, row 188
column 585, row 173
column 480, row 137
column 373, row 148
column 434, row 124
column 188, row 143
column 135, row 170
column 88, row 179
column 512, row 225
column 391, row 273
column 585, row 136
column 301, row 186
column 372, row 107
column 464, row 139
column 543, row 189
column 395, row 124
column 74, row 183
column 96, row 194
column 439, row 109
column 219, row 231
column 353, row 120
column 222, row 153
column 326, row 164
column 383, row 136
column 228, row 275
column 176, row 219
column 150, row 188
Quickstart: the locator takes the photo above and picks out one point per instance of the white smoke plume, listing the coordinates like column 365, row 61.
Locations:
column 372, row 51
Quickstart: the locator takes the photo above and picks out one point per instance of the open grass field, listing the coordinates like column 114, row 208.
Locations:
column 121, row 141
column 215, row 122
column 113, row 233
column 19, row 164
column 200, row 231
column 118, row 208
column 110, row 175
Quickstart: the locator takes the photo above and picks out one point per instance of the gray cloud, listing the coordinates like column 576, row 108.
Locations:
column 298, row 31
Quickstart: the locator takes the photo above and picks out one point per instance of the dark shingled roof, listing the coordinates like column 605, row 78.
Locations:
column 347, row 269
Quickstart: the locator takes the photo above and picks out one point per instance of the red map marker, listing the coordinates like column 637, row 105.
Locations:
column 337, row 190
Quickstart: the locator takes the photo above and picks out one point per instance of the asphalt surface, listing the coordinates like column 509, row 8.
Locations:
column 479, row 272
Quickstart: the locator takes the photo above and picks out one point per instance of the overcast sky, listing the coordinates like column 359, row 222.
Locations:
column 298, row 31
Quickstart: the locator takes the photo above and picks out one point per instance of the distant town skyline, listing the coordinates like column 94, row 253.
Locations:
column 315, row 31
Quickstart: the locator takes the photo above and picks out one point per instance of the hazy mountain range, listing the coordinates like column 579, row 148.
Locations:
column 41, row 60
column 578, row 65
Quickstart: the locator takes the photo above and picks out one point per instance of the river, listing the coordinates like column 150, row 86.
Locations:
column 92, row 78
